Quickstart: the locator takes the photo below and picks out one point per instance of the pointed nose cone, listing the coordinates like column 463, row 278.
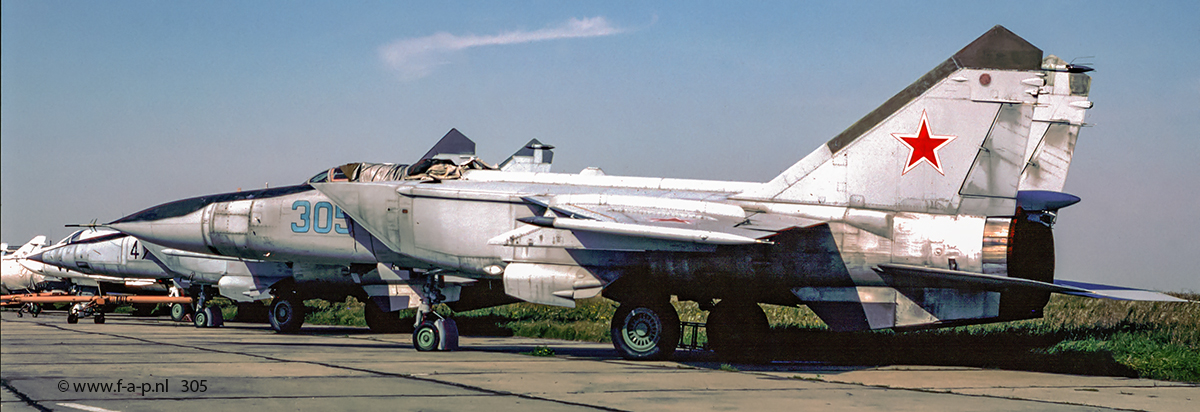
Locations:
column 36, row 257
column 180, row 232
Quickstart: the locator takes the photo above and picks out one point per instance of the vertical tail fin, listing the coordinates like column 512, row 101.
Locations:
column 953, row 142
column 533, row 157
column 37, row 242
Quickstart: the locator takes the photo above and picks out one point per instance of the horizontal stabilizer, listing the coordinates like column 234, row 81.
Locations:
column 1099, row 291
column 919, row 276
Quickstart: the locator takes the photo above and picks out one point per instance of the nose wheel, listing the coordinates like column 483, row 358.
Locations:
column 436, row 335
column 433, row 331
column 206, row 315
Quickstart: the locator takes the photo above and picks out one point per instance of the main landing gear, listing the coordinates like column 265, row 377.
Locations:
column 380, row 321
column 433, row 331
column 738, row 330
column 287, row 311
column 645, row 329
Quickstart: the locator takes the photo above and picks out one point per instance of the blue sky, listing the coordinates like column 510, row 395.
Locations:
column 112, row 107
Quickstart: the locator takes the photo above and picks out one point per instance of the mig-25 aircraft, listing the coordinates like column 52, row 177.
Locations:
column 104, row 266
column 936, row 209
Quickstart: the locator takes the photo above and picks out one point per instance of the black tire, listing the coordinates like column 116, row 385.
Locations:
column 427, row 337
column 647, row 330
column 179, row 311
column 252, row 312
column 287, row 313
column 72, row 318
column 739, row 330
column 201, row 317
column 380, row 321
column 35, row 309
column 99, row 318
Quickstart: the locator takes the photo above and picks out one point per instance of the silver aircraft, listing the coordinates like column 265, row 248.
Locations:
column 16, row 278
column 936, row 209
column 298, row 245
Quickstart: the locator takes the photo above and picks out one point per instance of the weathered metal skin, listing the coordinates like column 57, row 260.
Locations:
column 934, row 209
column 857, row 204
column 288, row 224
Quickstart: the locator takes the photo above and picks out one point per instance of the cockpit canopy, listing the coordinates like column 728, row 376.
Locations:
column 426, row 169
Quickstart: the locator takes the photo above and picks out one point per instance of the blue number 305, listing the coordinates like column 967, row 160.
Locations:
column 319, row 218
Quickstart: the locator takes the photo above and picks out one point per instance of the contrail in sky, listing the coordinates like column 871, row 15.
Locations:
column 417, row 57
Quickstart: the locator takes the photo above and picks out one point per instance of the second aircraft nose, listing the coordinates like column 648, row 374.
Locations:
column 180, row 232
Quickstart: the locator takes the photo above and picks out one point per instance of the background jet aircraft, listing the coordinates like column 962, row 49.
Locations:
column 15, row 278
column 327, row 256
column 99, row 262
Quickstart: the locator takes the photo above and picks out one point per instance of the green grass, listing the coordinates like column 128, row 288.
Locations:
column 1077, row 335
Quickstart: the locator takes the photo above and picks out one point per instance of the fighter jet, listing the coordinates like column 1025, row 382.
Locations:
column 102, row 265
column 936, row 209
column 15, row 278
column 327, row 256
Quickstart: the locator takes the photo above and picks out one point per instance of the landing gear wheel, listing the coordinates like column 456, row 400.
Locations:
column 200, row 318
column 427, row 337
column 738, row 330
column 209, row 317
column 287, row 313
column 72, row 318
column 99, row 318
column 645, row 330
column 380, row 321
column 179, row 311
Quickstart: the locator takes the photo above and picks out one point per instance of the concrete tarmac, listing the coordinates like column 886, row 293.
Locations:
column 140, row 364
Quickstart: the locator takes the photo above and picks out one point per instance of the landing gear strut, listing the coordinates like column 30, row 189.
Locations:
column 434, row 332
column 645, row 329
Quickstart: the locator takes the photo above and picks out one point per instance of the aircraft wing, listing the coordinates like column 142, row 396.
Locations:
column 918, row 276
column 678, row 220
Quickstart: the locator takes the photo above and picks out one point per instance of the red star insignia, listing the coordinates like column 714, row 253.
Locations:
column 923, row 146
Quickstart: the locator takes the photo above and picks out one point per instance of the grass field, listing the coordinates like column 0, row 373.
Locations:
column 1077, row 335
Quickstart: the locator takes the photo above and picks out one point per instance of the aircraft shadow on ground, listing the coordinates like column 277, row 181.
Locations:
column 826, row 350
column 996, row 350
